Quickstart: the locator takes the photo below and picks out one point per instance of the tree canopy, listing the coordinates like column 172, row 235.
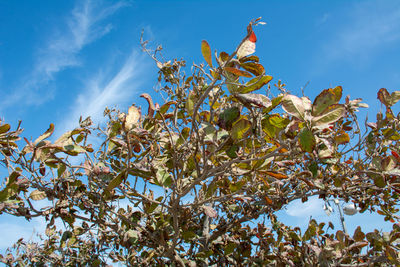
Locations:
column 197, row 179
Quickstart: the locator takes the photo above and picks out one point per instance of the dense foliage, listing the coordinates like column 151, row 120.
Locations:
column 198, row 179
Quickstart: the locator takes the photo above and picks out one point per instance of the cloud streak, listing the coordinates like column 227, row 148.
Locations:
column 84, row 25
column 99, row 92
column 365, row 30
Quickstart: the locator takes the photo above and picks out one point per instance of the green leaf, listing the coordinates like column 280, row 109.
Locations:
column 330, row 115
column 232, row 151
column 379, row 181
column 206, row 51
column 255, row 84
column 61, row 169
column 4, row 128
column 47, row 134
column 37, row 195
column 116, row 181
column 163, row 109
column 189, row 105
column 395, row 97
column 238, row 72
column 277, row 121
column 164, row 177
column 240, row 129
column 307, row 140
column 325, row 99
column 296, row 106
column 256, row 100
column 227, row 117
column 255, row 68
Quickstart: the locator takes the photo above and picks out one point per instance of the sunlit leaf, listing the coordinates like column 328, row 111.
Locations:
column 295, row 106
column 209, row 211
column 276, row 175
column 4, row 128
column 47, row 134
column 325, row 99
column 306, row 140
column 223, row 57
column 255, row 68
column 395, row 97
column 163, row 109
column 190, row 103
column 132, row 118
column 240, row 129
column 206, row 51
column 238, row 72
column 330, row 115
column 37, row 195
column 164, row 178
column 384, row 97
column 255, row 84
column 343, row 138
column 249, row 58
column 256, row 100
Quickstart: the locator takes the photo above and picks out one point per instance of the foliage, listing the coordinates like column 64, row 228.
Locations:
column 198, row 179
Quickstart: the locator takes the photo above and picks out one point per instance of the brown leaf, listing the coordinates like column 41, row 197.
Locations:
column 206, row 51
column 238, row 72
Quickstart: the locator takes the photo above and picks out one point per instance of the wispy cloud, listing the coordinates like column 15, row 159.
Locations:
column 100, row 92
column 84, row 25
column 363, row 31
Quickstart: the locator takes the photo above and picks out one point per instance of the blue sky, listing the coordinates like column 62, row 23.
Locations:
column 63, row 59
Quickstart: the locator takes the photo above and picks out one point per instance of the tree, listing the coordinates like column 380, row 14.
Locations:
column 198, row 180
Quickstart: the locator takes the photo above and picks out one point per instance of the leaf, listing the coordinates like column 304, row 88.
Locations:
column 116, row 181
column 306, row 140
column 4, row 128
column 358, row 234
column 384, row 97
column 255, row 68
column 238, row 72
column 189, row 105
column 249, row 58
column 325, row 99
column 223, row 56
column 255, row 84
column 132, row 118
column 209, row 211
column 294, row 106
column 48, row 133
column 206, row 51
column 379, row 181
column 276, row 175
column 163, row 109
column 232, row 151
column 256, row 100
column 163, row 177
column 395, row 97
column 37, row 195
column 240, row 129
column 228, row 117
column 330, row 115
column 343, row 138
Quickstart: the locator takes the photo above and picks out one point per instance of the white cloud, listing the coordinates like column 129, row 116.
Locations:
column 99, row 93
column 364, row 30
column 84, row 25
column 313, row 207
